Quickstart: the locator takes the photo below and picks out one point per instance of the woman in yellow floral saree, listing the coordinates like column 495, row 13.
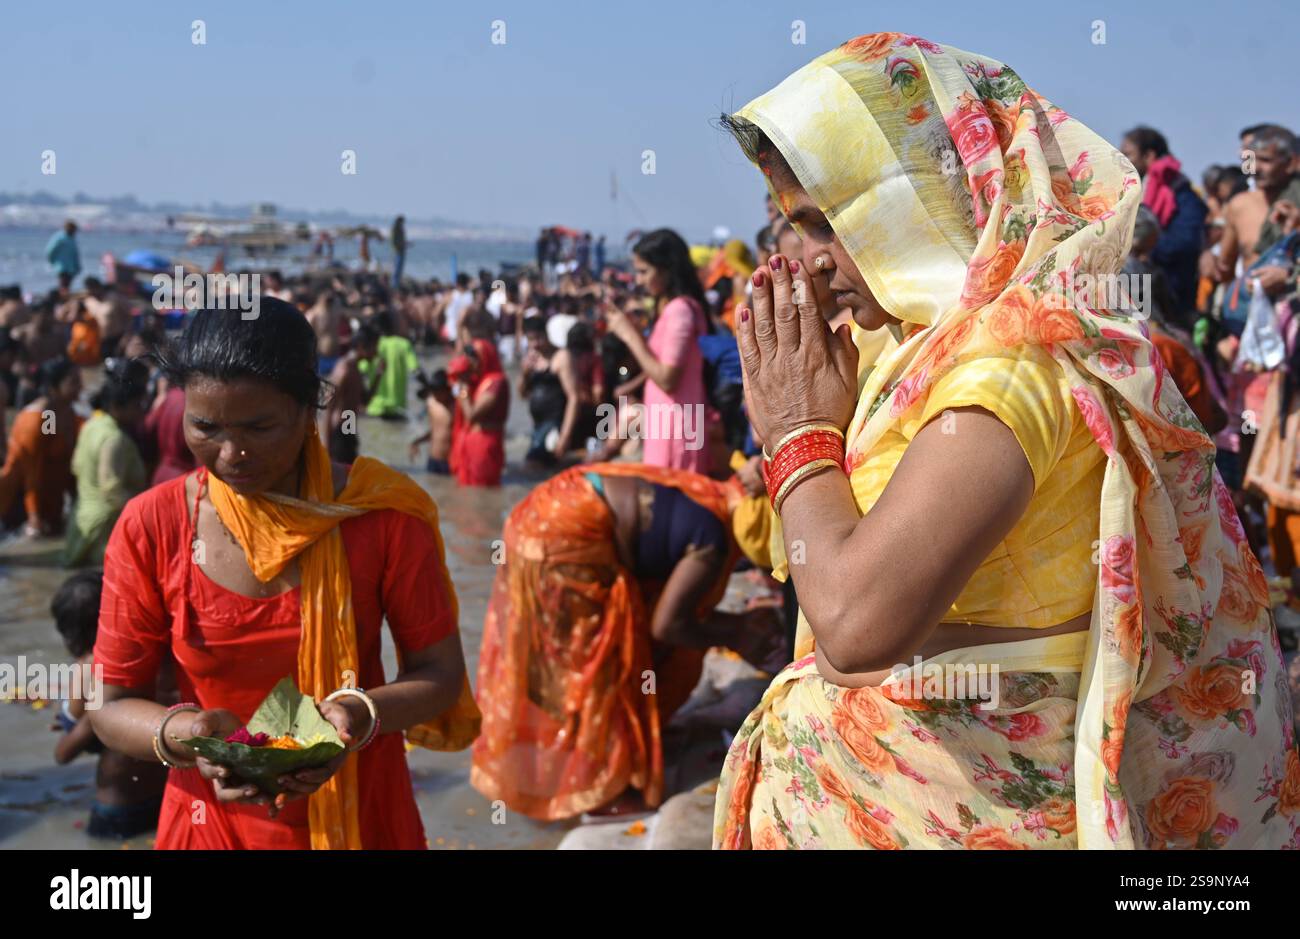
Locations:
column 1023, row 494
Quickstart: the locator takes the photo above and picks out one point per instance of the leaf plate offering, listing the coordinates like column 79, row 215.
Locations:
column 285, row 734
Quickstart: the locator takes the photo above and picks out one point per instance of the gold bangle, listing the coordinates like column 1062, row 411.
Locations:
column 158, row 739
column 798, row 476
column 799, row 432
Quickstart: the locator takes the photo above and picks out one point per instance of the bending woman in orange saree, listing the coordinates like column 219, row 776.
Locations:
column 596, row 630
column 269, row 561
column 1015, row 498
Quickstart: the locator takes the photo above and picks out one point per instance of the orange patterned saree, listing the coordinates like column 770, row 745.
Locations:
column 572, row 691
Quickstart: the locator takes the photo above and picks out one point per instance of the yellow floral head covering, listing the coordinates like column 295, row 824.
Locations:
column 985, row 215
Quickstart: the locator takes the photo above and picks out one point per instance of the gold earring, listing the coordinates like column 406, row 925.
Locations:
column 819, row 263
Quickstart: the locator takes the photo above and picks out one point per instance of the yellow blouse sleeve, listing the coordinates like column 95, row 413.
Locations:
column 1028, row 394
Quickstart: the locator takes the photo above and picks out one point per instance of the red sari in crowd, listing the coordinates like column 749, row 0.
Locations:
column 478, row 453
column 230, row 650
column 165, row 425
column 569, row 721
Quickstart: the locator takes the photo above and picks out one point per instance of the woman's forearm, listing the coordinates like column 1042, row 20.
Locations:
column 416, row 696
column 953, row 498
column 718, row 629
column 826, row 548
column 127, row 725
column 629, row 386
column 565, row 440
column 74, row 742
column 474, row 411
column 665, row 376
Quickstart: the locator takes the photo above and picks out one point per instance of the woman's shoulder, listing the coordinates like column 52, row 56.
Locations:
column 1024, row 387
column 1028, row 371
column 383, row 539
column 681, row 305
column 386, row 521
column 157, row 516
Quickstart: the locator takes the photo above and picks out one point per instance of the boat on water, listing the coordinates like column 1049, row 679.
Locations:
column 261, row 235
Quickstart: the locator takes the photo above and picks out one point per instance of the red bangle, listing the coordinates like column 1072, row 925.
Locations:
column 799, row 450
column 798, row 458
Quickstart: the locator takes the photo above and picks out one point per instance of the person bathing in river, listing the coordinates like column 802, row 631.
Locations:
column 478, row 454
column 596, row 630
column 271, row 560
column 338, row 419
column 388, row 370
column 128, row 793
column 440, row 405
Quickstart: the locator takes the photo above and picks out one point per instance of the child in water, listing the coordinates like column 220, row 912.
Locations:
column 128, row 793
column 439, row 403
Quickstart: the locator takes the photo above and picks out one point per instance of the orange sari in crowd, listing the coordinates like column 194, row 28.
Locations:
column 38, row 465
column 571, row 716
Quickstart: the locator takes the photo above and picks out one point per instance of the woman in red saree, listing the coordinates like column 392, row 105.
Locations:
column 596, row 630
column 268, row 561
column 482, row 405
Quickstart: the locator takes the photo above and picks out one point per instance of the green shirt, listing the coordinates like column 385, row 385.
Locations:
column 109, row 471
column 398, row 356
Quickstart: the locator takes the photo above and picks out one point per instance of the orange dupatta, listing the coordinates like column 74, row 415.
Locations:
column 566, row 726
column 274, row 529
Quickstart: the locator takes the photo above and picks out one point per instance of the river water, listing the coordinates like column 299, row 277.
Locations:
column 22, row 255
column 43, row 805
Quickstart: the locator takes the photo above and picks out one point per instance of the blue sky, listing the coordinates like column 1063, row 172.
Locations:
column 445, row 123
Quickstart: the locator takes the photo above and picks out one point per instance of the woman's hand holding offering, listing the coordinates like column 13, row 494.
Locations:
column 349, row 716
column 219, row 723
column 351, row 719
column 796, row 370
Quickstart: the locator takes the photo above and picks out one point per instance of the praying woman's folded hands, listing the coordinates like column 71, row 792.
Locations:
column 796, row 370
